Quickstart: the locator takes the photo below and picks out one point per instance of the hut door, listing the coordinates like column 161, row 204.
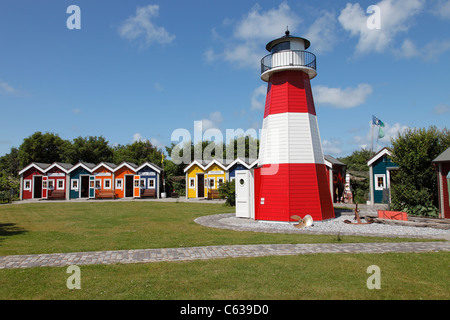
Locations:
column 200, row 185
column 244, row 195
column 137, row 190
column 44, row 187
column 91, row 186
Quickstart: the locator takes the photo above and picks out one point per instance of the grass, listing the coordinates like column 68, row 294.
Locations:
column 320, row 276
column 95, row 226
column 98, row 226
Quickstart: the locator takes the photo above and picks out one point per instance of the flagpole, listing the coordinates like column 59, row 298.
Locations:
column 371, row 140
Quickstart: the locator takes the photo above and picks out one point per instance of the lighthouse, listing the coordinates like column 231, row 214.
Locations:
column 291, row 177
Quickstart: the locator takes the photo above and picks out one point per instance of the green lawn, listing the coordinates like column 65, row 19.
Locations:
column 73, row 227
column 98, row 226
column 316, row 276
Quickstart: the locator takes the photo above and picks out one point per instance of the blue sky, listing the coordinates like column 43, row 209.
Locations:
column 142, row 69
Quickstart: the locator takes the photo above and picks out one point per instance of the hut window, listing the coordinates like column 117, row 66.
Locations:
column 60, row 185
column 151, row 184
column 212, row 183
column 27, row 185
column 136, row 183
column 142, row 185
column 191, row 183
column 107, row 183
column 74, row 184
column 98, row 184
column 219, row 181
column 51, row 184
column 380, row 181
column 119, row 183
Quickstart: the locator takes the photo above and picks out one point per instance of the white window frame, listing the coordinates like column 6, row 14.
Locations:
column 104, row 184
column 142, row 183
column 213, row 186
column 98, row 184
column 51, row 184
column 384, row 186
column 72, row 182
column 137, row 183
column 25, row 184
column 57, row 184
column 148, row 183
column 121, row 184
column 191, row 183
column 220, row 179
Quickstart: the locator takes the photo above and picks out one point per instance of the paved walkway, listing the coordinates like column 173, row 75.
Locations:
column 211, row 252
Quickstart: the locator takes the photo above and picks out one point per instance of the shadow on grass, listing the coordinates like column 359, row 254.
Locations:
column 10, row 229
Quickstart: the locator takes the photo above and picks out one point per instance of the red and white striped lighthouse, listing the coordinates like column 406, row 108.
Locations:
column 291, row 178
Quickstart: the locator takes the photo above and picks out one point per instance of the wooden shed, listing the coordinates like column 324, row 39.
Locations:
column 149, row 180
column 56, row 186
column 336, row 177
column 442, row 164
column 380, row 167
column 124, row 177
column 238, row 165
column 79, row 180
column 195, row 180
column 215, row 175
column 31, row 181
column 101, row 182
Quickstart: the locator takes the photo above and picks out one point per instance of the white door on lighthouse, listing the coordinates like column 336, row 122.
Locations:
column 243, row 194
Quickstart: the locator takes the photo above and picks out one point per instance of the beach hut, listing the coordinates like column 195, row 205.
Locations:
column 336, row 177
column 124, row 179
column 79, row 180
column 101, row 181
column 238, row 165
column 57, row 181
column 215, row 175
column 442, row 165
column 195, row 180
column 149, row 180
column 32, row 178
column 380, row 167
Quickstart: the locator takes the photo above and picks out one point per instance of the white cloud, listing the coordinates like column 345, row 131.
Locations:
column 6, row 88
column 332, row 147
column 342, row 98
column 396, row 17
column 213, row 121
column 140, row 26
column 138, row 137
column 258, row 97
column 76, row 111
column 155, row 142
column 442, row 9
column 245, row 48
column 390, row 131
column 322, row 32
column 441, row 109
column 268, row 24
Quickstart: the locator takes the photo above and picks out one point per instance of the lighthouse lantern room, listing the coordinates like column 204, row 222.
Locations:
column 291, row 177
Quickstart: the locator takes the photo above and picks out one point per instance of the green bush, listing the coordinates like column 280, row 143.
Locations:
column 227, row 190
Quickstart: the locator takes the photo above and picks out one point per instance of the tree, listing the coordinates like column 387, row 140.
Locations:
column 414, row 185
column 39, row 147
column 138, row 152
column 90, row 149
column 357, row 161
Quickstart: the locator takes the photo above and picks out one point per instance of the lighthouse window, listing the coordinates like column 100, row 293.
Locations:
column 286, row 45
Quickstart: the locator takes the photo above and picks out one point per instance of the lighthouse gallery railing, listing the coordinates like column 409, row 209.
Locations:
column 288, row 58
